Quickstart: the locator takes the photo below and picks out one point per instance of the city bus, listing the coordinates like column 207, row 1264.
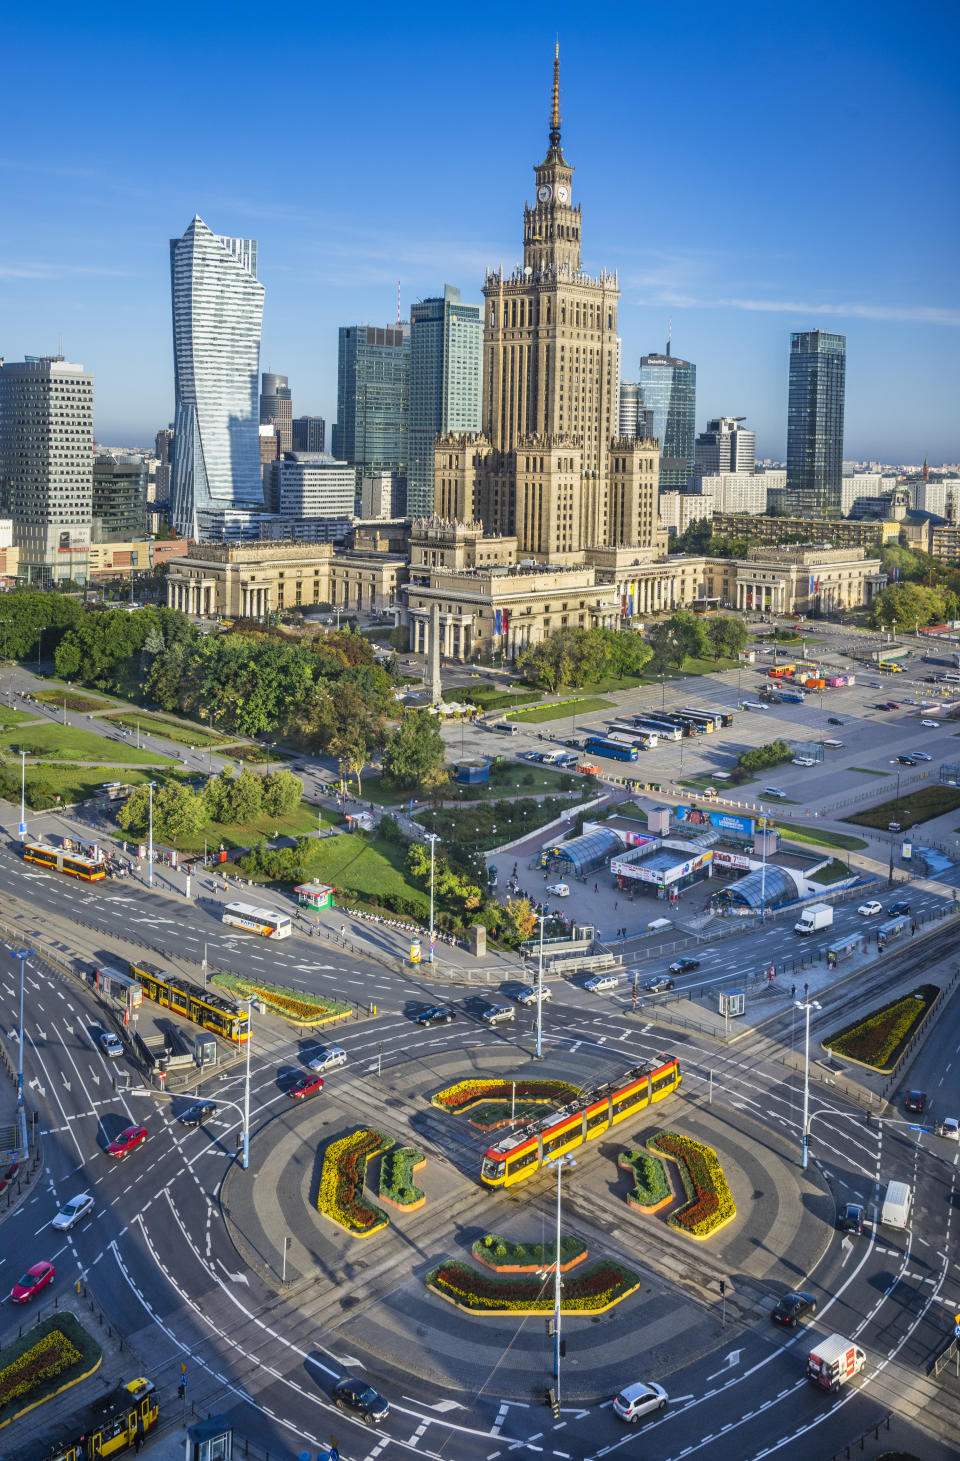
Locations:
column 74, row 864
column 257, row 920
column 711, row 720
column 778, row 672
column 658, row 728
column 602, row 746
column 700, row 725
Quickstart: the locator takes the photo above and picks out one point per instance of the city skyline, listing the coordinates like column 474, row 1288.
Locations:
column 845, row 227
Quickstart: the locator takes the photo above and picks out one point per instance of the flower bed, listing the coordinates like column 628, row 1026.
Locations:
column 341, row 1182
column 301, row 1009
column 8, row 1176
column 592, row 1290
column 50, row 1357
column 651, row 1185
column 506, row 1257
column 396, row 1178
column 467, row 1094
column 709, row 1202
column 880, row 1040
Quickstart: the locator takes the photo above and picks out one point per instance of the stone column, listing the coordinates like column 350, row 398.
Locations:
column 434, row 660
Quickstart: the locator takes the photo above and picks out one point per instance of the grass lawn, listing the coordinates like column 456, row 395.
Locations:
column 912, row 807
column 74, row 700
column 242, row 834
column 562, row 711
column 485, row 825
column 486, row 697
column 257, row 755
column 631, row 809
column 173, row 730
column 832, row 873
column 868, row 771
column 508, row 779
column 609, row 683
column 353, row 863
column 67, row 743
column 801, row 832
column 694, row 667
column 10, row 717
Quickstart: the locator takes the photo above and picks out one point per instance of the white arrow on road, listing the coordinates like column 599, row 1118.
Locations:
column 234, row 1277
column 36, row 1086
column 65, row 1084
column 443, row 1406
column 846, row 1248
column 730, row 1363
column 41, row 1033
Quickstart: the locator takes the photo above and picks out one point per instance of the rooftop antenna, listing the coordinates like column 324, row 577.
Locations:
column 669, row 334
column 398, row 301
column 61, row 347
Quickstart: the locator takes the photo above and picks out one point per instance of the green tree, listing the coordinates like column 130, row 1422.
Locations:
column 760, row 757
column 666, row 647
column 413, row 751
column 352, row 755
column 904, row 605
column 178, row 812
column 728, row 636
column 520, row 921
column 282, row 793
column 232, row 798
column 691, row 633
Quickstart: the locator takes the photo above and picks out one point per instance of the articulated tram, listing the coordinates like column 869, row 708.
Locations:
column 212, row 1011
column 74, row 864
column 110, row 1424
column 595, row 1110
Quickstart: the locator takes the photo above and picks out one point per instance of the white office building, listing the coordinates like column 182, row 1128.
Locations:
column 742, row 491
column 217, row 317
column 941, row 497
column 306, row 485
column 679, row 510
column 726, row 446
column 854, row 485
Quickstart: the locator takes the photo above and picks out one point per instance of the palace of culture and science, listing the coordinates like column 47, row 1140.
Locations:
column 544, row 520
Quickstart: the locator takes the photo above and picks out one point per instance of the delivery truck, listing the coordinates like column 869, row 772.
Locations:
column 834, row 1361
column 895, row 1212
column 817, row 916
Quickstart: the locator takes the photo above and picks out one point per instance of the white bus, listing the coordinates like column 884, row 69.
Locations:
column 257, row 920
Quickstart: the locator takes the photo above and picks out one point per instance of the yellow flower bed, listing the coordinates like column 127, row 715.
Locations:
column 463, row 1095
column 302, row 1009
column 46, row 1359
column 341, row 1182
column 709, row 1202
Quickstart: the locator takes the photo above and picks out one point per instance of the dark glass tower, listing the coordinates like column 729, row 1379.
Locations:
column 670, row 389
column 818, row 371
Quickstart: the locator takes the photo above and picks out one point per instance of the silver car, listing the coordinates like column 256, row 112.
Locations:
column 499, row 1014
column 73, row 1212
column 328, row 1057
column 600, row 983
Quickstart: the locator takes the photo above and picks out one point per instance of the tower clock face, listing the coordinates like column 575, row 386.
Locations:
column 544, row 192
column 562, row 194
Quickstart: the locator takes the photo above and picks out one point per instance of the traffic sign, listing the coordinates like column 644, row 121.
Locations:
column 22, row 829
column 956, row 1331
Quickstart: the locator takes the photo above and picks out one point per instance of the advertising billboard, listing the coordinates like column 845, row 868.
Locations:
column 725, row 821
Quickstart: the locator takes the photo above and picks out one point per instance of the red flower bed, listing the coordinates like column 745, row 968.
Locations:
column 594, row 1288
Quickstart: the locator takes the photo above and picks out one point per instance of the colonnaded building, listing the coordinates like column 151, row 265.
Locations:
column 546, row 518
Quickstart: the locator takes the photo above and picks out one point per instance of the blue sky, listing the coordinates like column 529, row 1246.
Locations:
column 749, row 169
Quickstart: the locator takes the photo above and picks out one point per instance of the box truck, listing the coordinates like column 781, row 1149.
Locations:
column 895, row 1212
column 833, row 1362
column 818, row 915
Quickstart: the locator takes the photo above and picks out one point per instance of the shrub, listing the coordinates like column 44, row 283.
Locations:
column 466, row 1094
column 396, row 1176
column 591, row 1290
column 651, row 1185
column 879, row 1040
column 303, row 1009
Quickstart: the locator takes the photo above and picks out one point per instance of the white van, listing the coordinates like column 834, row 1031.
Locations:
column 657, row 925
column 897, row 1202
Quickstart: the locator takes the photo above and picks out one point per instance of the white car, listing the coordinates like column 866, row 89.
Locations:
column 933, row 724
column 559, row 890
column 774, row 791
column 110, row 1045
column 600, row 983
column 327, row 1057
column 71, row 1214
column 527, row 994
column 637, row 1400
column 950, row 1128
column 869, row 909
column 804, row 761
column 921, row 755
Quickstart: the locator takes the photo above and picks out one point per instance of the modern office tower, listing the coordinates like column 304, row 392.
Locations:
column 636, row 417
column 161, row 482
column 309, row 433
column 725, row 446
column 382, row 496
column 276, row 408
column 670, row 388
column 119, row 498
column 446, row 347
column 373, row 398
column 818, row 365
column 305, row 486
column 46, row 464
column 217, row 316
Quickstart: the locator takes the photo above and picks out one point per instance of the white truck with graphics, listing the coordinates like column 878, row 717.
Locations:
column 834, row 1361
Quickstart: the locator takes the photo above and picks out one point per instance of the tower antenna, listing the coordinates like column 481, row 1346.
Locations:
column 669, row 334
column 555, row 108
column 398, row 301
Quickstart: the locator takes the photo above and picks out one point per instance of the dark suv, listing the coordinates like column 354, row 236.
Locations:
column 361, row 1398
column 896, row 910
column 916, row 1101
column 850, row 1218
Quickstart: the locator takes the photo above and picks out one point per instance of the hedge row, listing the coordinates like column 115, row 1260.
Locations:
column 879, row 1040
column 396, row 1176
column 590, row 1290
column 651, row 1185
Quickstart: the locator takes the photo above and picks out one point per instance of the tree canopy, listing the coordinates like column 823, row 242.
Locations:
column 905, row 605
column 575, row 656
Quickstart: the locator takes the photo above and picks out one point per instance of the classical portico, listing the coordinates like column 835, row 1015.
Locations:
column 196, row 596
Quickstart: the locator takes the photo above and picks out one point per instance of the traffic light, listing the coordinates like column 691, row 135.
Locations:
column 181, row 1390
column 553, row 1402
column 563, row 1349
column 723, row 1287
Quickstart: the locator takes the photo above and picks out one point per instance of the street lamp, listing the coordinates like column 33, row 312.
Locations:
column 432, row 838
column 150, row 786
column 23, row 955
column 808, row 1005
column 543, row 919
column 763, row 871
column 246, row 1093
column 23, row 793
column 559, row 1163
column 40, row 629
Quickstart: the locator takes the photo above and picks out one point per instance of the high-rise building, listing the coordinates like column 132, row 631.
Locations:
column 725, row 446
column 306, row 486
column 161, row 481
column 670, row 388
column 46, row 464
column 818, row 366
column 382, row 496
column 636, row 417
column 119, row 498
column 309, row 433
column 373, row 398
column 217, row 317
column 549, row 465
column 276, row 408
column 446, row 346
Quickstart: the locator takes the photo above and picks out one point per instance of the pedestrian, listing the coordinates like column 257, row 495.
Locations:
column 616, row 904
column 138, row 1440
column 596, row 888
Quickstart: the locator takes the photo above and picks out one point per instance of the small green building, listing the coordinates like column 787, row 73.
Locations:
column 315, row 895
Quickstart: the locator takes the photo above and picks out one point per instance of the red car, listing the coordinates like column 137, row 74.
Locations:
column 126, row 1141
column 307, row 1085
column 35, row 1279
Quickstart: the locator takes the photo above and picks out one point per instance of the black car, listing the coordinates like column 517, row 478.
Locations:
column 834, row 720
column 793, row 1307
column 437, row 1014
column 916, row 1101
column 199, row 1112
column 906, row 761
column 896, row 909
column 850, row 1218
column 658, row 984
column 684, row 966
column 361, row 1398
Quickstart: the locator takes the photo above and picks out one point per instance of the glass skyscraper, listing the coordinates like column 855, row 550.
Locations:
column 446, row 349
column 217, row 317
column 373, row 398
column 818, row 373
column 669, row 388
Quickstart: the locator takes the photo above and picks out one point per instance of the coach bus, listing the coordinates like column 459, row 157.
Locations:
column 74, row 864
column 658, row 728
column 623, row 731
column 601, row 746
column 671, row 722
column 257, row 920
column 709, row 719
column 589, row 1115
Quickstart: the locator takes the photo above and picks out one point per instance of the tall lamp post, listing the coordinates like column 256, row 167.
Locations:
column 23, row 793
column 23, row 955
column 432, row 838
column 150, row 786
column 808, row 1005
column 763, row 871
column 40, row 629
column 543, row 920
column 559, row 1163
column 246, row 1091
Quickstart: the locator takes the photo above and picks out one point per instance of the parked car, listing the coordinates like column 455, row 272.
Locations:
column 774, row 791
column 684, row 965
column 921, row 756
column 867, row 910
column 793, row 1307
column 196, row 1114
column 328, row 1057
column 659, row 983
column 931, row 724
column 893, row 704
column 834, row 720
column 498, row 1014
column 305, row 1087
column 804, row 761
column 600, row 983
column 850, row 1218
column 906, row 761
column 915, row 1101
column 361, row 1398
column 527, row 994
column 881, row 705
column 896, row 910
column 35, row 1279
column 638, row 1400
column 110, row 1044
column 128, row 1140
column 73, row 1212
column 558, row 890
column 436, row 1014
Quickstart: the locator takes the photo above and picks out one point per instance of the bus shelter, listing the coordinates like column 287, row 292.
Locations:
column 891, row 929
column 845, row 948
column 118, row 988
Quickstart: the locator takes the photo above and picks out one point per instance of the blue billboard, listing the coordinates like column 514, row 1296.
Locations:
column 723, row 821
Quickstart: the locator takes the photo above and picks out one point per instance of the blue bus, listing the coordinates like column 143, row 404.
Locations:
column 600, row 746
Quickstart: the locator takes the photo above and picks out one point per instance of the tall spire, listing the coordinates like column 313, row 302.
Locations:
column 555, row 109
